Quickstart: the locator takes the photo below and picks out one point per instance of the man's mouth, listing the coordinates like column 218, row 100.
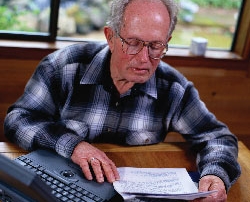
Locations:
column 140, row 70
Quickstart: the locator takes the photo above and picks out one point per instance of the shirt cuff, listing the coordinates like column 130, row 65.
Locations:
column 219, row 172
column 66, row 144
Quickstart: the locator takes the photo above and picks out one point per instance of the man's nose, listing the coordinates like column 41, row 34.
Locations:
column 144, row 53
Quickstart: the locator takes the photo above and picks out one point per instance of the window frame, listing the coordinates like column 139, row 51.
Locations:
column 237, row 57
column 241, row 42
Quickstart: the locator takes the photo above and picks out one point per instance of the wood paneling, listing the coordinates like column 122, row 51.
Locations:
column 13, row 77
column 226, row 93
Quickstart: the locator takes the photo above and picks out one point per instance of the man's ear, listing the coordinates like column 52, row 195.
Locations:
column 109, row 34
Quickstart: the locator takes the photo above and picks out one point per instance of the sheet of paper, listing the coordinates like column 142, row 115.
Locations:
column 173, row 183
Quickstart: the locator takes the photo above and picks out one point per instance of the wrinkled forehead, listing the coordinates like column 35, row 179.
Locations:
column 150, row 16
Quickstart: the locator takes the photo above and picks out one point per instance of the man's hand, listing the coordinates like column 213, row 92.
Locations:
column 90, row 158
column 209, row 183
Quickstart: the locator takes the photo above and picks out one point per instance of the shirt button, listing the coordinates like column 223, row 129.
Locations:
column 117, row 104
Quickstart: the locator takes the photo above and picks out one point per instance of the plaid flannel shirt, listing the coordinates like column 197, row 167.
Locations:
column 71, row 98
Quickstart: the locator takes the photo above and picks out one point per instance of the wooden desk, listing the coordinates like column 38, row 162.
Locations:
column 162, row 155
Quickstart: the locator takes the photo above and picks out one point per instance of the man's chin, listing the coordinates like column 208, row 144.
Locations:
column 139, row 80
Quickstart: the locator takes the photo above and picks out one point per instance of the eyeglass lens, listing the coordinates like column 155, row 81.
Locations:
column 133, row 46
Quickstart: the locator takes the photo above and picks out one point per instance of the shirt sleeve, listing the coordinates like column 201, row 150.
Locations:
column 34, row 120
column 215, row 145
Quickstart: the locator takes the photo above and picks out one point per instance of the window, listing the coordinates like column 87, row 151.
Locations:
column 50, row 20
column 82, row 19
column 28, row 20
column 215, row 20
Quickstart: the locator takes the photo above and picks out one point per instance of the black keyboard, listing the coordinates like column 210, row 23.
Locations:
column 64, row 191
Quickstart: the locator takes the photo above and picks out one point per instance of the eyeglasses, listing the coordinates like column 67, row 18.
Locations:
column 132, row 46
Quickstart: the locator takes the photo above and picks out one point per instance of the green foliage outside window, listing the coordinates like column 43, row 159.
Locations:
column 8, row 18
column 229, row 4
column 14, row 19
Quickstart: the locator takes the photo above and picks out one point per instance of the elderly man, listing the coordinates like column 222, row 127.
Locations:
column 121, row 92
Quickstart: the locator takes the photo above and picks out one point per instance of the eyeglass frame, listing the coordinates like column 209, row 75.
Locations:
column 144, row 43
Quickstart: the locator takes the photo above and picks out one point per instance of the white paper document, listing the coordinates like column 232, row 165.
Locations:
column 169, row 183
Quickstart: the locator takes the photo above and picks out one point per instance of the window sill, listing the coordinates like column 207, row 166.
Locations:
column 10, row 49
column 210, row 54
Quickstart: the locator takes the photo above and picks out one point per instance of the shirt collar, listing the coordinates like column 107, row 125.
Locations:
column 98, row 73
column 95, row 71
column 149, row 87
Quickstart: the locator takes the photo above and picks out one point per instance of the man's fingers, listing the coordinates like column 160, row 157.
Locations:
column 86, row 170
column 109, row 172
column 103, row 168
column 97, row 169
column 94, row 163
column 204, row 184
column 114, row 171
column 209, row 183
